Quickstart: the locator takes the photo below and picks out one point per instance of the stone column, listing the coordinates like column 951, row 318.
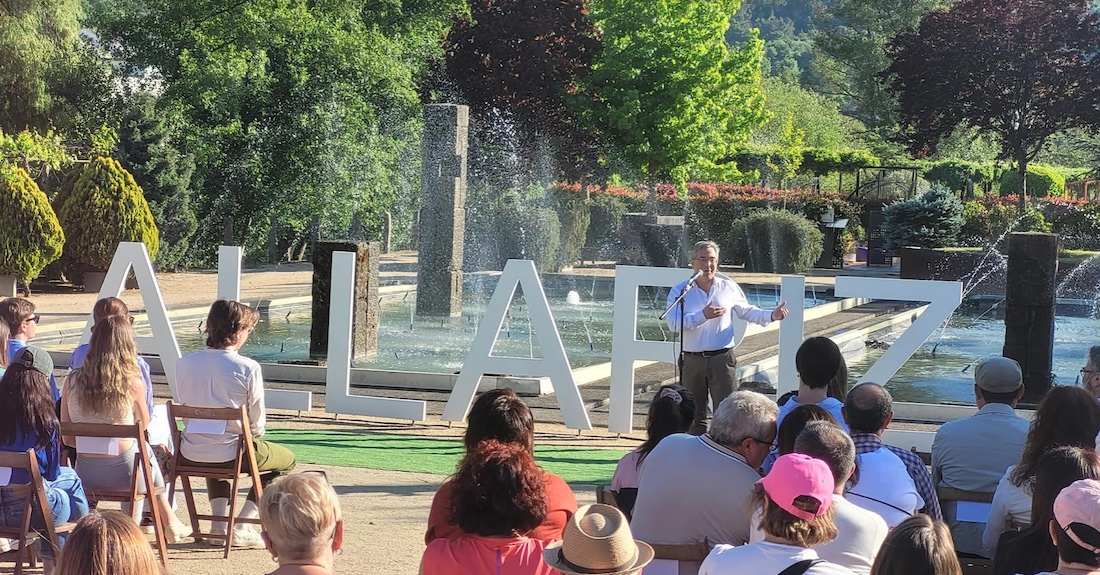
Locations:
column 442, row 211
column 364, row 322
column 1029, row 308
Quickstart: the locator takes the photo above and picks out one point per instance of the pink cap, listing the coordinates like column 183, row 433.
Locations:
column 795, row 475
column 1079, row 502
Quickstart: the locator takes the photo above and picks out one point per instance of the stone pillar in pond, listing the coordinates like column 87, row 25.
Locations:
column 442, row 211
column 365, row 313
column 1029, row 308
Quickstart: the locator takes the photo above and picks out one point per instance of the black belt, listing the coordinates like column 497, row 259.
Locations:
column 710, row 353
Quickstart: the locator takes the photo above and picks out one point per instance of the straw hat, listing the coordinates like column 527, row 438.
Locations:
column 597, row 539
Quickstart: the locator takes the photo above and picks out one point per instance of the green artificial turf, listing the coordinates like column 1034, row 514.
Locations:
column 438, row 456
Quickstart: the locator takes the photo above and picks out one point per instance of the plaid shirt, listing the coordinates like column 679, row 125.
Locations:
column 867, row 442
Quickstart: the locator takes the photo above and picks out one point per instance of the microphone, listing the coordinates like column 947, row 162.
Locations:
column 694, row 277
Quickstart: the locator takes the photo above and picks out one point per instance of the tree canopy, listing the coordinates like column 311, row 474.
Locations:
column 1022, row 70
column 667, row 91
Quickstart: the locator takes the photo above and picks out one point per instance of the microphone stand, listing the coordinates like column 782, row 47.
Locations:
column 679, row 302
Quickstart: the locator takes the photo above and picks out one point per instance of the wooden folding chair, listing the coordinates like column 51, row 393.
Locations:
column 33, row 496
column 971, row 565
column 605, row 496
column 143, row 468
column 232, row 470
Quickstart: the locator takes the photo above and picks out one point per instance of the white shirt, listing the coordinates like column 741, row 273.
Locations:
column 1009, row 502
column 219, row 378
column 691, row 488
column 702, row 334
column 764, row 558
column 885, row 487
column 860, row 534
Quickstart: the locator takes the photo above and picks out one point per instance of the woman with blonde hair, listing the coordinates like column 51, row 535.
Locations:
column 108, row 388
column 107, row 543
column 303, row 528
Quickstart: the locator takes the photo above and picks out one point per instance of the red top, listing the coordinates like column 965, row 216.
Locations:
column 561, row 505
column 474, row 555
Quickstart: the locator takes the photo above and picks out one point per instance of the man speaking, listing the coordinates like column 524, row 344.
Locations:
column 707, row 337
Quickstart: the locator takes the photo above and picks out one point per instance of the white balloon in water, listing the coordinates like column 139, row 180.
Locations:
column 572, row 298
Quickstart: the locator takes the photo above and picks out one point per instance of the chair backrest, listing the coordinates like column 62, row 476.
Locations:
column 944, row 493
column 32, row 493
column 682, row 552
column 185, row 413
column 605, row 496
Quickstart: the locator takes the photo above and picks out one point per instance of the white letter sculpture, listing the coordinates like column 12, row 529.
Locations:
column 554, row 363
column 942, row 297
column 163, row 341
column 338, row 397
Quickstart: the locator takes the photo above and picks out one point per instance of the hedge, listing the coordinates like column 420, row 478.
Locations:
column 1042, row 181
column 104, row 208
column 954, row 174
column 31, row 236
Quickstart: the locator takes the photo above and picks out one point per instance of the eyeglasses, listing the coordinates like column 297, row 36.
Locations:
column 35, row 318
column 770, row 444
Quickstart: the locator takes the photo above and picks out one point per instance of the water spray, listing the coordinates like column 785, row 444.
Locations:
column 588, row 334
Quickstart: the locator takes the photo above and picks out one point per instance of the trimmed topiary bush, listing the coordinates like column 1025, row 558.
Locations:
column 531, row 233
column 105, row 207
column 574, row 216
column 605, row 220
column 933, row 220
column 776, row 241
column 1042, row 181
column 30, row 237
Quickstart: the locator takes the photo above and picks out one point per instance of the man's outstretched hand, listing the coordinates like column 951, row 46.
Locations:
column 780, row 311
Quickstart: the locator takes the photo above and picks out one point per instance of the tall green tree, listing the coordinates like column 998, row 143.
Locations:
column 296, row 109
column 49, row 77
column 667, row 91
column 850, row 41
column 150, row 149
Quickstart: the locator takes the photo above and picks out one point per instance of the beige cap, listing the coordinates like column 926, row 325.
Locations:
column 999, row 375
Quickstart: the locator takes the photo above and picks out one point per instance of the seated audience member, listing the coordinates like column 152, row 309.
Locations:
column 107, row 543
column 1067, row 416
column 3, row 348
column 28, row 420
column 792, row 425
column 108, row 389
column 1090, row 374
column 18, row 314
column 303, row 528
column 598, row 540
column 1075, row 529
column 796, row 515
column 859, row 532
column 1031, row 550
column 696, row 487
column 868, row 409
column 103, row 308
column 973, row 453
column 671, row 411
column 497, row 496
column 818, row 361
column 919, row 545
column 501, row 415
column 219, row 376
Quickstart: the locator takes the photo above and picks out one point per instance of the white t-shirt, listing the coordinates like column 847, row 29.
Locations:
column 764, row 558
column 219, row 378
column 1009, row 502
column 860, row 534
column 885, row 487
